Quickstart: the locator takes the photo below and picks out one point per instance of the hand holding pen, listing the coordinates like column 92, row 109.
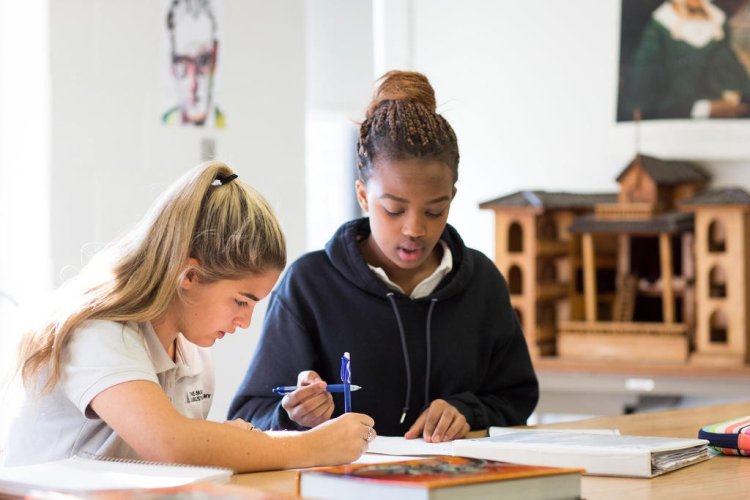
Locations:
column 310, row 404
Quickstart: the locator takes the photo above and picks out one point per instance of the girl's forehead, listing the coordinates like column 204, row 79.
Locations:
column 411, row 180
column 413, row 168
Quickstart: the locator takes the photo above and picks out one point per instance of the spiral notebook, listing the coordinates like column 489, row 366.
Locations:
column 87, row 472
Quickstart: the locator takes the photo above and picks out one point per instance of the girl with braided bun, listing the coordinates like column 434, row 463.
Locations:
column 434, row 342
column 121, row 367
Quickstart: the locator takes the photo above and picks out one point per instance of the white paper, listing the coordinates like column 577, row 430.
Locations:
column 497, row 431
column 82, row 474
column 397, row 445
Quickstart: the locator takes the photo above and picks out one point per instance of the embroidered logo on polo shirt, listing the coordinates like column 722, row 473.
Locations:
column 196, row 395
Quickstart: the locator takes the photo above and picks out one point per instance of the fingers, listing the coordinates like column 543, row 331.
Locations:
column 371, row 434
column 361, row 418
column 310, row 405
column 360, row 431
column 416, row 428
column 442, row 422
column 308, row 377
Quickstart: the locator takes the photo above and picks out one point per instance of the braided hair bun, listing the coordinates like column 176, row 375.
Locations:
column 401, row 123
column 403, row 86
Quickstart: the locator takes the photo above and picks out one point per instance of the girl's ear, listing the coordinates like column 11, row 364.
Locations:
column 190, row 277
column 361, row 190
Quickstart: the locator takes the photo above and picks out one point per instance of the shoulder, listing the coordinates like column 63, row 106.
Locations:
column 480, row 259
column 307, row 271
column 105, row 329
column 97, row 337
column 308, row 262
column 485, row 268
column 310, row 266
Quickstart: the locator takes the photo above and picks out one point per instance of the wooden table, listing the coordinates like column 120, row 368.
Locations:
column 600, row 388
column 721, row 477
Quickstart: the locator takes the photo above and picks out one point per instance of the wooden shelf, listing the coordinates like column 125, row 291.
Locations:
column 552, row 249
column 554, row 364
column 547, row 292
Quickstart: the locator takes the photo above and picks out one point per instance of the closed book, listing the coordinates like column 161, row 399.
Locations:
column 440, row 478
column 89, row 473
column 599, row 454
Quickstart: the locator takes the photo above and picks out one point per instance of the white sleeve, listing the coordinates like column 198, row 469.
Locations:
column 99, row 355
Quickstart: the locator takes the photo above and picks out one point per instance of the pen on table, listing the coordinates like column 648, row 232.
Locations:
column 286, row 389
column 346, row 378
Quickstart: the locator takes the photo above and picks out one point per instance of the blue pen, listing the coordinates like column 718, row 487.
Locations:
column 286, row 389
column 346, row 378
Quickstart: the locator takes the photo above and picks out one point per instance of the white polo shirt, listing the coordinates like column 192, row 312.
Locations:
column 99, row 355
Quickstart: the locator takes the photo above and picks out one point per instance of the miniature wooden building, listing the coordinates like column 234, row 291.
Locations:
column 533, row 251
column 722, row 249
column 639, row 287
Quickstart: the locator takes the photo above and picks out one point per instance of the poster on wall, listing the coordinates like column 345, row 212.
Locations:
column 684, row 73
column 190, row 64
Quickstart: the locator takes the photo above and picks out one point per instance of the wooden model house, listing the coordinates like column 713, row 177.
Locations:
column 622, row 277
column 533, row 250
column 722, row 251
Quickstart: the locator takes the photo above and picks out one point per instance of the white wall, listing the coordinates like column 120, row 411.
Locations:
column 339, row 80
column 111, row 155
column 529, row 87
column 24, row 175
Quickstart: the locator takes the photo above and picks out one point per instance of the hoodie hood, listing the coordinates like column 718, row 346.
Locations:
column 346, row 257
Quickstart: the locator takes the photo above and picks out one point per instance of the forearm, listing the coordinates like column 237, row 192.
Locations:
column 140, row 413
column 201, row 442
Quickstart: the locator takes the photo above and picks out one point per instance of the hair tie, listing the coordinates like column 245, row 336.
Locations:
column 227, row 179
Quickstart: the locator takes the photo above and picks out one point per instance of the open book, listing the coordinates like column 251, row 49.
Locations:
column 94, row 473
column 598, row 454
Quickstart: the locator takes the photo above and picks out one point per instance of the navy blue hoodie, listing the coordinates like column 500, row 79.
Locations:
column 462, row 343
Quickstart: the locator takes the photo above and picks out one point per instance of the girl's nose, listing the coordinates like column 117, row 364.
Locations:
column 243, row 320
column 414, row 226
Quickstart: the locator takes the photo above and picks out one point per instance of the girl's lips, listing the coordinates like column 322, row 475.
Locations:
column 409, row 253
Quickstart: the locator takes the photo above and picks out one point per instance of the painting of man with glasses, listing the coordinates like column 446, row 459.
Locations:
column 193, row 46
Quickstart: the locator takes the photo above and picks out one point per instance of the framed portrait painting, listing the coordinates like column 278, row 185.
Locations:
column 684, row 74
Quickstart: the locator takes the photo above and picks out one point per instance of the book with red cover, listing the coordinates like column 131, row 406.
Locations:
column 443, row 478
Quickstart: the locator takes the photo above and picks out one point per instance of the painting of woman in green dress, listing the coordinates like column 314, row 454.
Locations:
column 680, row 62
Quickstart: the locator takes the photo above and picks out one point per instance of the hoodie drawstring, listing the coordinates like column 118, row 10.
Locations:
column 428, row 338
column 428, row 349
column 406, row 356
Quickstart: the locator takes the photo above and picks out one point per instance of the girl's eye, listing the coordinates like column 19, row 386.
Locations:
column 241, row 303
column 393, row 214
column 435, row 215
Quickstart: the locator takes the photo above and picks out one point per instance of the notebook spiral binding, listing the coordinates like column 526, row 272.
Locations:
column 104, row 458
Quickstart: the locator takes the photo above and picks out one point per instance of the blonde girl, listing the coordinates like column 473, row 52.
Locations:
column 120, row 367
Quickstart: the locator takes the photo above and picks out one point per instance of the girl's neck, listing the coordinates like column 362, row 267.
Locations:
column 166, row 330
column 406, row 279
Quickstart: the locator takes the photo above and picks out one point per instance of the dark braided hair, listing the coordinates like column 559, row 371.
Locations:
column 401, row 123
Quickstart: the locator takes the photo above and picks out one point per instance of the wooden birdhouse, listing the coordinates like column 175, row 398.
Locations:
column 722, row 251
column 533, row 251
column 657, row 273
